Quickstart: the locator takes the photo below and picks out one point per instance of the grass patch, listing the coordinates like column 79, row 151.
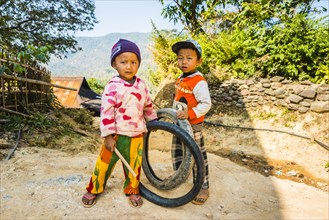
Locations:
column 289, row 117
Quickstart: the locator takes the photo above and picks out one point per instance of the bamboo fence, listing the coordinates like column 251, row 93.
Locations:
column 25, row 90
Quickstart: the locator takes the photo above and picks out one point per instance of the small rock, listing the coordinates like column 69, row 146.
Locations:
column 301, row 175
column 279, row 172
column 320, row 107
column 319, row 184
column 309, row 93
column 209, row 215
column 295, row 98
column 7, row 197
column 305, row 82
column 286, row 81
column 277, row 79
column 273, row 200
column 292, row 173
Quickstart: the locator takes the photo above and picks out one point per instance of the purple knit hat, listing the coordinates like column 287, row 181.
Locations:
column 124, row 46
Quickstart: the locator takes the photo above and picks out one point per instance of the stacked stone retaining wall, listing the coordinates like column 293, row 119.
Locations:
column 302, row 96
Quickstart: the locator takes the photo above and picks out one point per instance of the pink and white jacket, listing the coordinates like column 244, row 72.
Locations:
column 125, row 108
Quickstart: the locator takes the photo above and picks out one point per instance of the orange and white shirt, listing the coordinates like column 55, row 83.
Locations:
column 194, row 88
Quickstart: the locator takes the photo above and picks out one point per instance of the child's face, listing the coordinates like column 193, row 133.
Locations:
column 188, row 60
column 127, row 65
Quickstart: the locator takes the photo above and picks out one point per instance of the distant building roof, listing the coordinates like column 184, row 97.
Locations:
column 83, row 97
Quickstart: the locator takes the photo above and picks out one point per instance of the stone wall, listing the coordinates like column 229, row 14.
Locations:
column 300, row 96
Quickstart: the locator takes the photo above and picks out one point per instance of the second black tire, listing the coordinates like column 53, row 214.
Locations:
column 198, row 159
column 182, row 173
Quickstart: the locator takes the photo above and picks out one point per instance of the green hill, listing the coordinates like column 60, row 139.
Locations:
column 94, row 59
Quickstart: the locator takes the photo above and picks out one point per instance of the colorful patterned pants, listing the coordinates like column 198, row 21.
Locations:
column 177, row 156
column 131, row 149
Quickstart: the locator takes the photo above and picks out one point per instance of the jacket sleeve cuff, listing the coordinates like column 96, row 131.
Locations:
column 105, row 133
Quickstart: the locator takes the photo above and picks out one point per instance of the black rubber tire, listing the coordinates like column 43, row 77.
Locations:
column 198, row 159
column 167, row 113
column 180, row 175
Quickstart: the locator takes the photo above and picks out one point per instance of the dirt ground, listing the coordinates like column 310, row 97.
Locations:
column 253, row 175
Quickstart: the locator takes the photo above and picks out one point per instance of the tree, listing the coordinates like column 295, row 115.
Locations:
column 243, row 38
column 211, row 17
column 195, row 15
column 187, row 11
column 44, row 23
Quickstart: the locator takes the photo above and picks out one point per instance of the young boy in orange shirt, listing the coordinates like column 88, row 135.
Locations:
column 191, row 88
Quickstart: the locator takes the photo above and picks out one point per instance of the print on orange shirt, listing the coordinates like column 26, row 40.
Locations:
column 183, row 87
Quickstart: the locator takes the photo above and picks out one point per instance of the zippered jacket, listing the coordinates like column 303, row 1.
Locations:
column 125, row 108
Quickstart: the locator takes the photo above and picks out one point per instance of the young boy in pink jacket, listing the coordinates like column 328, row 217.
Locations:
column 126, row 107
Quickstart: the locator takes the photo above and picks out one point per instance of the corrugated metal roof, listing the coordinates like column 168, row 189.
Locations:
column 68, row 98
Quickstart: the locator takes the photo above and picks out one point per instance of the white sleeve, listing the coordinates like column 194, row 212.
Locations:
column 202, row 95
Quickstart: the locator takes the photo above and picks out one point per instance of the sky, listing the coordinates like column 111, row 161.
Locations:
column 123, row 16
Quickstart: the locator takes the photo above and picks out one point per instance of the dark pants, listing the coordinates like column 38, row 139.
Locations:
column 177, row 156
